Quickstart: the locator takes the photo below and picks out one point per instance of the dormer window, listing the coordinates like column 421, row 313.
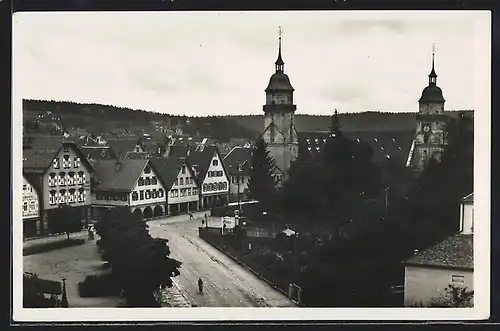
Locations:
column 147, row 170
column 240, row 168
column 66, row 162
column 76, row 162
column 215, row 162
column 55, row 163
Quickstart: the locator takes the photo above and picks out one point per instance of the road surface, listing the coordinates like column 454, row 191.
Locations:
column 226, row 283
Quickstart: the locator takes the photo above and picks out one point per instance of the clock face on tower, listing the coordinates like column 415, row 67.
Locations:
column 427, row 128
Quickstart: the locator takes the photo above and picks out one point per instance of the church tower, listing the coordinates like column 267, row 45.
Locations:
column 431, row 120
column 279, row 127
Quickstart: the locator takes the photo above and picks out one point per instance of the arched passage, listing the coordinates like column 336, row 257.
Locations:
column 137, row 213
column 158, row 211
column 148, row 212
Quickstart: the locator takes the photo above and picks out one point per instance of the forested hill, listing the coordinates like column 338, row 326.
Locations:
column 100, row 119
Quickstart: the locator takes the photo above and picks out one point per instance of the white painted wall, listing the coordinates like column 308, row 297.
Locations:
column 188, row 185
column 422, row 284
column 30, row 201
column 137, row 189
column 65, row 182
column 467, row 218
column 215, row 179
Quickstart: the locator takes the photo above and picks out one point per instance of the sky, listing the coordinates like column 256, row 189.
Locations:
column 219, row 63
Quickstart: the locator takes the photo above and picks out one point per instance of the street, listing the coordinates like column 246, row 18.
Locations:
column 226, row 284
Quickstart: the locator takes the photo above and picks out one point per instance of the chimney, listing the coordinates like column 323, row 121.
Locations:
column 118, row 165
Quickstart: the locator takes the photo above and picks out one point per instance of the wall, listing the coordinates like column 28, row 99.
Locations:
column 215, row 179
column 189, row 185
column 233, row 186
column 30, row 201
column 467, row 218
column 160, row 195
column 422, row 284
column 66, row 184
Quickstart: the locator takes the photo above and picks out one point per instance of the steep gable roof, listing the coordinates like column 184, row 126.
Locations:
column 168, row 169
column 202, row 158
column 239, row 156
column 118, row 175
column 39, row 151
column 454, row 252
column 137, row 155
column 179, row 150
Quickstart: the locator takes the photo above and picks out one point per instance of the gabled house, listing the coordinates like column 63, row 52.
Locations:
column 60, row 173
column 238, row 163
column 211, row 175
column 31, row 209
column 450, row 262
column 180, row 183
column 132, row 183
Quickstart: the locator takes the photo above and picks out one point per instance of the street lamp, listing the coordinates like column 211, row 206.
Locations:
column 64, row 298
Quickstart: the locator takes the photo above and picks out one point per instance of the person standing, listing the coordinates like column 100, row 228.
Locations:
column 200, row 285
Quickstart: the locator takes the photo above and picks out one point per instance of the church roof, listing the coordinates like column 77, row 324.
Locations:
column 432, row 93
column 279, row 81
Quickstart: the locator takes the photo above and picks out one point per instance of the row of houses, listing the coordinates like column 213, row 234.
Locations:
column 60, row 172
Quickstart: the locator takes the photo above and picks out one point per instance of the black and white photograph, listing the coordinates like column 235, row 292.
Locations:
column 205, row 166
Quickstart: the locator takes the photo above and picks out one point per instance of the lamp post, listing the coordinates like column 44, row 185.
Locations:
column 64, row 298
column 386, row 200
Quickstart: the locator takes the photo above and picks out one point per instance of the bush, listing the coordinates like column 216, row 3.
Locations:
column 46, row 247
column 98, row 286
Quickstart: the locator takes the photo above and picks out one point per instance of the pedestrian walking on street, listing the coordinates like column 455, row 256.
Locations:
column 190, row 216
column 200, row 285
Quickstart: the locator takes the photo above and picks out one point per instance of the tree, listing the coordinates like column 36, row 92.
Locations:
column 64, row 219
column 140, row 264
column 434, row 198
column 455, row 297
column 262, row 183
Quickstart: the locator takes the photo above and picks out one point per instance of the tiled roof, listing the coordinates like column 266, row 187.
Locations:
column 468, row 198
column 39, row 151
column 454, row 252
column 239, row 156
column 118, row 175
column 168, row 168
column 201, row 159
column 393, row 145
column 98, row 152
column 179, row 151
column 123, row 145
column 137, row 155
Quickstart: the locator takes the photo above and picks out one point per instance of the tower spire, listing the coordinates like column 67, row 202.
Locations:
column 433, row 75
column 280, row 65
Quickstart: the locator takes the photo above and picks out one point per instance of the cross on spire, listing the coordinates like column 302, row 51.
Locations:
column 280, row 65
column 433, row 75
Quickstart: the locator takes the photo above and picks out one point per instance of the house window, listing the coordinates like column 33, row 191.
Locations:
column 148, row 194
column 215, row 162
column 141, row 195
column 66, row 150
column 240, row 168
column 209, row 174
column 457, row 279
column 148, row 181
column 60, row 180
column 24, row 187
column 204, row 187
column 160, row 193
column 147, row 170
column 154, row 193
column 71, row 198
column 33, row 206
column 176, row 182
column 55, row 163
column 182, row 181
column 76, row 162
column 25, row 206
column 52, row 179
column 81, row 195
column 224, row 185
column 183, row 170
column 172, row 194
column 189, row 191
column 135, row 196
column 66, row 162
column 137, row 149
column 63, row 196
column 71, row 178
column 141, row 181
column 176, row 193
column 52, row 197
column 123, row 197
column 154, row 180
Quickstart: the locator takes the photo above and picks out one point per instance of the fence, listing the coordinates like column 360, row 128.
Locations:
column 280, row 282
